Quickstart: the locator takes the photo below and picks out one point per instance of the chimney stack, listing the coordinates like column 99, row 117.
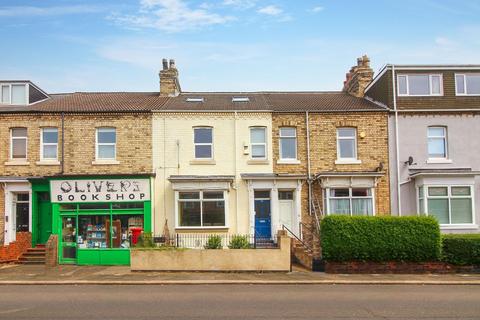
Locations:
column 169, row 84
column 359, row 77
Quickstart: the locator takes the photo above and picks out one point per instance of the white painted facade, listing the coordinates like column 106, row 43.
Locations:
column 12, row 188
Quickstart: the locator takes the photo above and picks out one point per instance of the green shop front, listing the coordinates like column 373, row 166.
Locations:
column 97, row 219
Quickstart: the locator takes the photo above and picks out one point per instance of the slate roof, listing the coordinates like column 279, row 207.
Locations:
column 212, row 101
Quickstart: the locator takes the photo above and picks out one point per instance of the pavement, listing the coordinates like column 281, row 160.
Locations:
column 121, row 275
column 204, row 302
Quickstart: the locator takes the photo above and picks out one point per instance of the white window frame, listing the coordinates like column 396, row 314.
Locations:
column 430, row 76
column 200, row 199
column 280, row 137
column 264, row 144
column 42, row 144
column 10, row 85
column 445, row 141
column 97, row 144
column 202, row 143
column 354, row 137
column 449, row 196
column 350, row 197
column 18, row 138
column 464, row 75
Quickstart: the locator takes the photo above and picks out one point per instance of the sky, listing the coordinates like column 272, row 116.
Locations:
column 227, row 45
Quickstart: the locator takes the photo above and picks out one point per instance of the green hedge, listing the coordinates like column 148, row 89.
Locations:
column 380, row 239
column 461, row 249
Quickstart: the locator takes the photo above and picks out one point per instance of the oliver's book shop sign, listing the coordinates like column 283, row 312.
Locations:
column 100, row 190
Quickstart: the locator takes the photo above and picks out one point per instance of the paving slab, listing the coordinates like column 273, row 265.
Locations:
column 71, row 274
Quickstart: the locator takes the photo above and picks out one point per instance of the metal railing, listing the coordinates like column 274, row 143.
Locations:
column 201, row 240
column 291, row 233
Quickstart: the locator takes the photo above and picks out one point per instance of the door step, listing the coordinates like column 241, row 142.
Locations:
column 33, row 255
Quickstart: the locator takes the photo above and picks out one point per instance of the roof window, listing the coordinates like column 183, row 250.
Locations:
column 240, row 99
column 193, row 99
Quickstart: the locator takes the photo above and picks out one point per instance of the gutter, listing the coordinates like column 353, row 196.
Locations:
column 309, row 178
column 397, row 147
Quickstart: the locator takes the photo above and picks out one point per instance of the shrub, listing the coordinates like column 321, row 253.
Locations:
column 145, row 240
column 214, row 242
column 239, row 242
column 461, row 249
column 380, row 239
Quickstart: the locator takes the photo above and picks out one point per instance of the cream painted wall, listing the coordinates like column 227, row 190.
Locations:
column 173, row 154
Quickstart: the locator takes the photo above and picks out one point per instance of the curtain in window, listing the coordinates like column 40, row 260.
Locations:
column 339, row 206
column 362, row 207
column 461, row 210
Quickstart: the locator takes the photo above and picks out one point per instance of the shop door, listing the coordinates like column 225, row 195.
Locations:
column 263, row 228
column 44, row 217
column 68, row 240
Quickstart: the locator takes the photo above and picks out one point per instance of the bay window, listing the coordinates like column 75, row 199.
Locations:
column 420, row 85
column 449, row 204
column 350, row 201
column 467, row 84
column 258, row 142
column 201, row 209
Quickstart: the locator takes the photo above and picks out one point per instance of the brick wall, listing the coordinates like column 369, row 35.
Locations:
column 371, row 150
column 51, row 251
column 134, row 146
column 14, row 250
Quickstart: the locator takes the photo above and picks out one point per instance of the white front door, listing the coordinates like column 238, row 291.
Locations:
column 287, row 218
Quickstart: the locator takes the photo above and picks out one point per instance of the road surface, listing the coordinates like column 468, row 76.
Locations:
column 240, row 302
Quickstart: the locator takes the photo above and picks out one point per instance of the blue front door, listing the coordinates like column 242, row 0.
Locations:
column 263, row 219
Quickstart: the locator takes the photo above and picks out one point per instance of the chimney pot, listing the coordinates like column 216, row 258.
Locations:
column 165, row 64
column 172, row 64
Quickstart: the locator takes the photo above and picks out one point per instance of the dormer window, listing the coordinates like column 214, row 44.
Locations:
column 240, row 99
column 420, row 85
column 467, row 84
column 14, row 93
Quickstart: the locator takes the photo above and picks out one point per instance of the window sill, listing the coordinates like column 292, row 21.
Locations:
column 458, row 226
column 253, row 161
column 47, row 163
column 17, row 163
column 202, row 228
column 288, row 161
column 438, row 161
column 346, row 161
column 203, row 162
column 105, row 162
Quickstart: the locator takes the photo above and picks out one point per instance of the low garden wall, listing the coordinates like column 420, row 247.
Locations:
column 13, row 251
column 172, row 259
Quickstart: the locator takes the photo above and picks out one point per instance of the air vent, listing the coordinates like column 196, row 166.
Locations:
column 240, row 99
column 200, row 99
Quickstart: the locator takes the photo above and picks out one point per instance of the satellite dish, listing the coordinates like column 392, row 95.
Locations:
column 410, row 160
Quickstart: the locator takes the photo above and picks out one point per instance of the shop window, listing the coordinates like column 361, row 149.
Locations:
column 18, row 143
column 127, row 205
column 258, row 142
column 123, row 226
column 92, row 232
column 350, row 201
column 22, row 212
column 449, row 204
column 67, row 207
column 49, row 144
column 201, row 209
column 203, row 140
column 94, row 206
column 106, row 143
